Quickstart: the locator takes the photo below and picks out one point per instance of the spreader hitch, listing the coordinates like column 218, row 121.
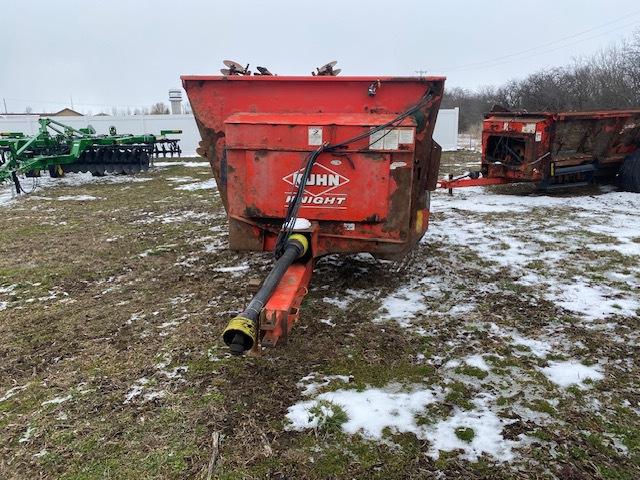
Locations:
column 241, row 333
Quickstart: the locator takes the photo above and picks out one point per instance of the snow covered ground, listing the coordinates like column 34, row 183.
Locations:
column 576, row 257
column 35, row 187
column 552, row 242
column 40, row 184
column 506, row 345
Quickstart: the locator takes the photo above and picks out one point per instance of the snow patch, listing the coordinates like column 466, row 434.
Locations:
column 234, row 269
column 175, row 373
column 592, row 301
column 369, row 411
column 12, row 391
column 477, row 361
column 342, row 304
column 310, row 388
column 136, row 390
column 487, row 436
column 135, row 317
column 154, row 395
column 77, row 198
column 537, row 347
column 571, row 372
column 8, row 288
column 41, row 453
column 181, row 179
column 299, row 224
column 56, row 400
column 204, row 185
column 26, row 436
column 8, row 195
column 403, row 305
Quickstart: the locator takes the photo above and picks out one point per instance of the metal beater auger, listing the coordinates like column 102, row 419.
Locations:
column 60, row 148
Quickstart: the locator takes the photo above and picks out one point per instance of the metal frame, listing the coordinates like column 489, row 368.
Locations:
column 57, row 144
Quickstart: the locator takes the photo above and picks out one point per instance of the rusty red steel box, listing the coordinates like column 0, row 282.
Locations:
column 372, row 195
column 557, row 147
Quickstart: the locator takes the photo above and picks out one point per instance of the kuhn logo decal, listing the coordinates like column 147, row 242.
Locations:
column 321, row 189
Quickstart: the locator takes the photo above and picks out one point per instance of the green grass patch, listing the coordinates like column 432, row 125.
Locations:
column 330, row 417
column 459, row 395
column 472, row 371
column 465, row 434
column 540, row 405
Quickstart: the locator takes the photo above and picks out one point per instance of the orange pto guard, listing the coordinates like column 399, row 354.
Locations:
column 309, row 166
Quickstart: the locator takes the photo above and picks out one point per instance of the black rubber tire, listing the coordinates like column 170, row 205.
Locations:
column 629, row 175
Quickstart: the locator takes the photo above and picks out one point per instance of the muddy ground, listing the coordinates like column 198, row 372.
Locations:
column 508, row 341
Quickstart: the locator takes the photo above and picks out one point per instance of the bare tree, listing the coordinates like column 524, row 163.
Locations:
column 609, row 79
column 159, row 109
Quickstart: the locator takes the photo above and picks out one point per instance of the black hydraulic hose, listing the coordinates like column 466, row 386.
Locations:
column 241, row 332
column 292, row 211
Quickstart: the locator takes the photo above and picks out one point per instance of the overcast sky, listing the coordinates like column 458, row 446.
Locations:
column 129, row 53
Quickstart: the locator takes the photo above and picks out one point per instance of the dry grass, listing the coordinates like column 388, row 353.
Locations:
column 120, row 296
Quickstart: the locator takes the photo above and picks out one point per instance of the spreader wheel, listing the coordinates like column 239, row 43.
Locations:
column 629, row 175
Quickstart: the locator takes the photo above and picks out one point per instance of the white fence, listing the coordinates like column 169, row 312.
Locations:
column 446, row 131
column 135, row 124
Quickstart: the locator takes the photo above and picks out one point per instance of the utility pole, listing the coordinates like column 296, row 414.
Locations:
column 5, row 105
column 71, row 97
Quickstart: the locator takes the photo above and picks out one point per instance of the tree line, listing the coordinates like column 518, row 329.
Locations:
column 159, row 108
column 609, row 79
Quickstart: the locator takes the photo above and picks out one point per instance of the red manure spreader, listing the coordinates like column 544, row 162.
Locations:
column 558, row 150
column 310, row 166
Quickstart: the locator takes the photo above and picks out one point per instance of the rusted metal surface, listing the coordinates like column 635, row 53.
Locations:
column 282, row 310
column 371, row 197
column 365, row 195
column 558, row 148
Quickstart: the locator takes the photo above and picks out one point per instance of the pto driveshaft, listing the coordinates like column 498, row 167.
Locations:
column 241, row 333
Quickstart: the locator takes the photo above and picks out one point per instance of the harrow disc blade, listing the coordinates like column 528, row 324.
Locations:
column 144, row 161
column 108, row 159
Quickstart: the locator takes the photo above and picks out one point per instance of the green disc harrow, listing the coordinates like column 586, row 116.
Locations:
column 60, row 148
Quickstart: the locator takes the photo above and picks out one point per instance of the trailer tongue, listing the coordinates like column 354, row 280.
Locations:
column 309, row 166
